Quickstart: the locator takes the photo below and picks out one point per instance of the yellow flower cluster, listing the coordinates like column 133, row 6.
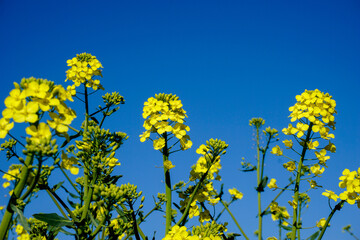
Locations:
column 84, row 67
column 29, row 100
column 207, row 166
column 278, row 212
column 181, row 233
column 69, row 163
column 21, row 232
column 236, row 194
column 272, row 184
column 318, row 108
column 165, row 116
column 205, row 193
column 12, row 174
column 351, row 182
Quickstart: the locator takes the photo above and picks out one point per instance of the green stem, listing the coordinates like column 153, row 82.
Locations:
column 34, row 182
column 57, row 204
column 98, row 228
column 258, row 169
column 135, row 225
column 182, row 220
column 167, row 189
column 89, row 196
column 234, row 219
column 53, row 193
column 67, row 177
column 337, row 207
column 297, row 183
column 5, row 223
column 298, row 221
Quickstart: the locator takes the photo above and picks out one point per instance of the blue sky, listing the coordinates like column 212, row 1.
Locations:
column 228, row 61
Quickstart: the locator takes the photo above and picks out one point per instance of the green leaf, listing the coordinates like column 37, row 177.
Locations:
column 262, row 184
column 53, row 219
column 314, row 236
column 57, row 186
column 71, row 194
column 72, row 204
column 66, row 232
column 22, row 219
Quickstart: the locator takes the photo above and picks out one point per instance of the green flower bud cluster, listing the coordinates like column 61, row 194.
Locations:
column 26, row 81
column 98, row 148
column 120, row 226
column 161, row 197
column 272, row 132
column 9, row 145
column 166, row 97
column 113, row 99
column 43, row 149
column 256, row 122
column 209, row 229
column 45, row 173
column 38, row 229
column 114, row 194
column 216, row 147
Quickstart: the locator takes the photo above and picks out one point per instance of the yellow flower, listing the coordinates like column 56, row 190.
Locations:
column 40, row 133
column 321, row 223
column 317, row 170
column 5, row 127
column 168, row 165
column 177, row 233
column 272, row 183
column 277, row 151
column 290, row 166
column 278, row 212
column 202, row 149
column 159, row 143
column 322, row 156
column 69, row 163
column 330, row 195
column 313, row 145
column 204, row 216
column 288, row 143
column 235, row 193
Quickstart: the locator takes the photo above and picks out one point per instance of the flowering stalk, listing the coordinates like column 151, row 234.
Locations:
column 234, row 219
column 337, row 207
column 297, row 185
column 167, row 186
column 259, row 181
column 257, row 123
column 5, row 223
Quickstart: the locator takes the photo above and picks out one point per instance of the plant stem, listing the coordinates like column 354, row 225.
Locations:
column 167, row 187
column 57, row 204
column 67, row 177
column 258, row 169
column 297, row 184
column 5, row 223
column 135, row 225
column 337, row 207
column 89, row 196
column 234, row 219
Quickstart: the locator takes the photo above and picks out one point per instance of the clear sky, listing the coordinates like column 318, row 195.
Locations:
column 228, row 61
